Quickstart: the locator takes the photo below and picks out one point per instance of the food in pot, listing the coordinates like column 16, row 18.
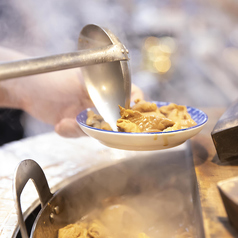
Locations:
column 93, row 229
column 133, row 217
column 73, row 230
column 114, row 221
column 147, row 117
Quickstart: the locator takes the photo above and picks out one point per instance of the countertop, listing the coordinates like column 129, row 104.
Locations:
column 60, row 158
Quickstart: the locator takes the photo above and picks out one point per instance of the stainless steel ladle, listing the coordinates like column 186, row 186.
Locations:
column 104, row 62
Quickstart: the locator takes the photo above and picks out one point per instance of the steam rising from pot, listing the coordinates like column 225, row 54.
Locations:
column 156, row 186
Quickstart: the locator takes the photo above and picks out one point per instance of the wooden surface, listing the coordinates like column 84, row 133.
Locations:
column 209, row 171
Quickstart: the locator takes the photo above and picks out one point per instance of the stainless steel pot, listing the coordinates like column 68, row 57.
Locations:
column 169, row 176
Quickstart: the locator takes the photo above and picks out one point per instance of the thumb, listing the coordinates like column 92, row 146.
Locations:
column 68, row 127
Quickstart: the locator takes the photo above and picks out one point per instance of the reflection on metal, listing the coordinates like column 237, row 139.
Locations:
column 162, row 182
column 108, row 83
column 29, row 169
column 105, row 52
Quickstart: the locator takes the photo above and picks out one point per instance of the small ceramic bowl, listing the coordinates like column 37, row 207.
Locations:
column 144, row 141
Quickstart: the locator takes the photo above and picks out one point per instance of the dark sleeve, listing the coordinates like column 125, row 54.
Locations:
column 10, row 125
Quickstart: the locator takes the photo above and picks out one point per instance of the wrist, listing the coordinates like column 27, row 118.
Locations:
column 11, row 89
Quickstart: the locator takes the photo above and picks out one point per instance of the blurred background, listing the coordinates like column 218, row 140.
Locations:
column 182, row 51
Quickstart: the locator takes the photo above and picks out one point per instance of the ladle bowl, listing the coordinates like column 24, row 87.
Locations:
column 108, row 84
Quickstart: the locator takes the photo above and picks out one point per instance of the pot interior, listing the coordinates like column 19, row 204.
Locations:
column 161, row 186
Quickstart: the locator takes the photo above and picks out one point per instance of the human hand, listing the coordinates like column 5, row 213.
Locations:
column 58, row 99
column 55, row 98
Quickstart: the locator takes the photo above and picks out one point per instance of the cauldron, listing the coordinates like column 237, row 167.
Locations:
column 170, row 177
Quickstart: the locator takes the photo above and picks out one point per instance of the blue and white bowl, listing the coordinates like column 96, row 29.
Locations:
column 147, row 140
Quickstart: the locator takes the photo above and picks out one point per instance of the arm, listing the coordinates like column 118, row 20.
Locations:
column 55, row 98
column 9, row 88
column 7, row 98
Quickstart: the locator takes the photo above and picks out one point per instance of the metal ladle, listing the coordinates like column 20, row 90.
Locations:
column 104, row 62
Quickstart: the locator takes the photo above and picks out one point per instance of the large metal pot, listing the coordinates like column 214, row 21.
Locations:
column 170, row 176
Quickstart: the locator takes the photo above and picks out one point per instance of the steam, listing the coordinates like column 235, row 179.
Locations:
column 49, row 27
column 43, row 27
column 34, row 29
column 149, row 194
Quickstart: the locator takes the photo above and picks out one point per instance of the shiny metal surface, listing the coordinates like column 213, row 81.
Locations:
column 108, row 84
column 29, row 169
column 165, row 181
column 60, row 62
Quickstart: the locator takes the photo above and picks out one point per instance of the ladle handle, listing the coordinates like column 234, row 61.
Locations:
column 81, row 58
column 29, row 169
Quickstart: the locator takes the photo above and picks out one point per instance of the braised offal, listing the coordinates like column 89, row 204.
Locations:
column 146, row 117
column 131, row 217
column 135, row 121
column 97, row 121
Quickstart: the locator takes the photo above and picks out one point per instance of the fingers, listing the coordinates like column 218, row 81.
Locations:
column 136, row 93
column 68, row 127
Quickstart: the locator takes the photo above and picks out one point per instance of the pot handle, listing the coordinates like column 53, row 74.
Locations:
column 29, row 169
